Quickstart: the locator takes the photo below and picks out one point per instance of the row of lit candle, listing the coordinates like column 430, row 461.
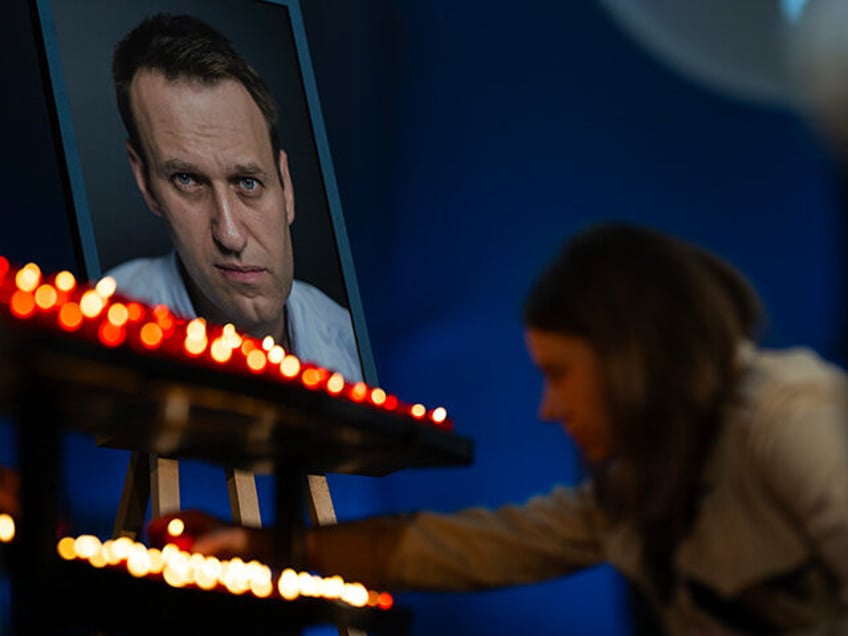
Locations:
column 97, row 311
column 179, row 568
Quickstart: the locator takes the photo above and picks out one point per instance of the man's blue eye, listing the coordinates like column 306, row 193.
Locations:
column 249, row 183
column 183, row 178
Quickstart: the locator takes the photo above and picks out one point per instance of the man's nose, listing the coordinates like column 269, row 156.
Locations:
column 228, row 231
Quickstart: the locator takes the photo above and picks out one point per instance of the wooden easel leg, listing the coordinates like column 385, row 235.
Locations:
column 323, row 513
column 165, row 483
column 244, row 500
column 321, row 510
column 164, row 473
column 129, row 521
column 147, row 474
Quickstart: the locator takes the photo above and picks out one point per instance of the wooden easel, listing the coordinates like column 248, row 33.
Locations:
column 156, row 479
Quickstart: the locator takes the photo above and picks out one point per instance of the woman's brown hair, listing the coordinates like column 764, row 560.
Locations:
column 666, row 319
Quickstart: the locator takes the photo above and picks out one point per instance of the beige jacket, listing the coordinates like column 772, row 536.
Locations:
column 771, row 537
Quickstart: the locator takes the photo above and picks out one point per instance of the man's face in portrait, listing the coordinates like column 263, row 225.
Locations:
column 209, row 170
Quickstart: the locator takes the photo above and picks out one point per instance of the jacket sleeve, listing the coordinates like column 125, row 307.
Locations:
column 477, row 548
column 801, row 449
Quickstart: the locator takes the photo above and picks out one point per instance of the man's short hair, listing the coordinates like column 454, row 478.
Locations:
column 183, row 47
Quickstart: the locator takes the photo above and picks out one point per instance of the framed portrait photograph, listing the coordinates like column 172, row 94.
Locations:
column 114, row 221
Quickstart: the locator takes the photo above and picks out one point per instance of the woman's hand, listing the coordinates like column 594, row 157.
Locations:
column 205, row 534
column 357, row 550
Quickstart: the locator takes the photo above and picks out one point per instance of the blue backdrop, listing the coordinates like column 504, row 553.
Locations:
column 469, row 139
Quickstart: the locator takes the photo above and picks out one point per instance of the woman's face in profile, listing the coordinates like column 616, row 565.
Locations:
column 573, row 393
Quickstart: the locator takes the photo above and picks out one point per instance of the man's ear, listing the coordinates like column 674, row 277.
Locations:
column 140, row 174
column 288, row 188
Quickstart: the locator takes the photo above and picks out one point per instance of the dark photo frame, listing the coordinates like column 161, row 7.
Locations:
column 112, row 221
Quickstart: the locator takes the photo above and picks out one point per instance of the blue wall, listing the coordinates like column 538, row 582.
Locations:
column 469, row 140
